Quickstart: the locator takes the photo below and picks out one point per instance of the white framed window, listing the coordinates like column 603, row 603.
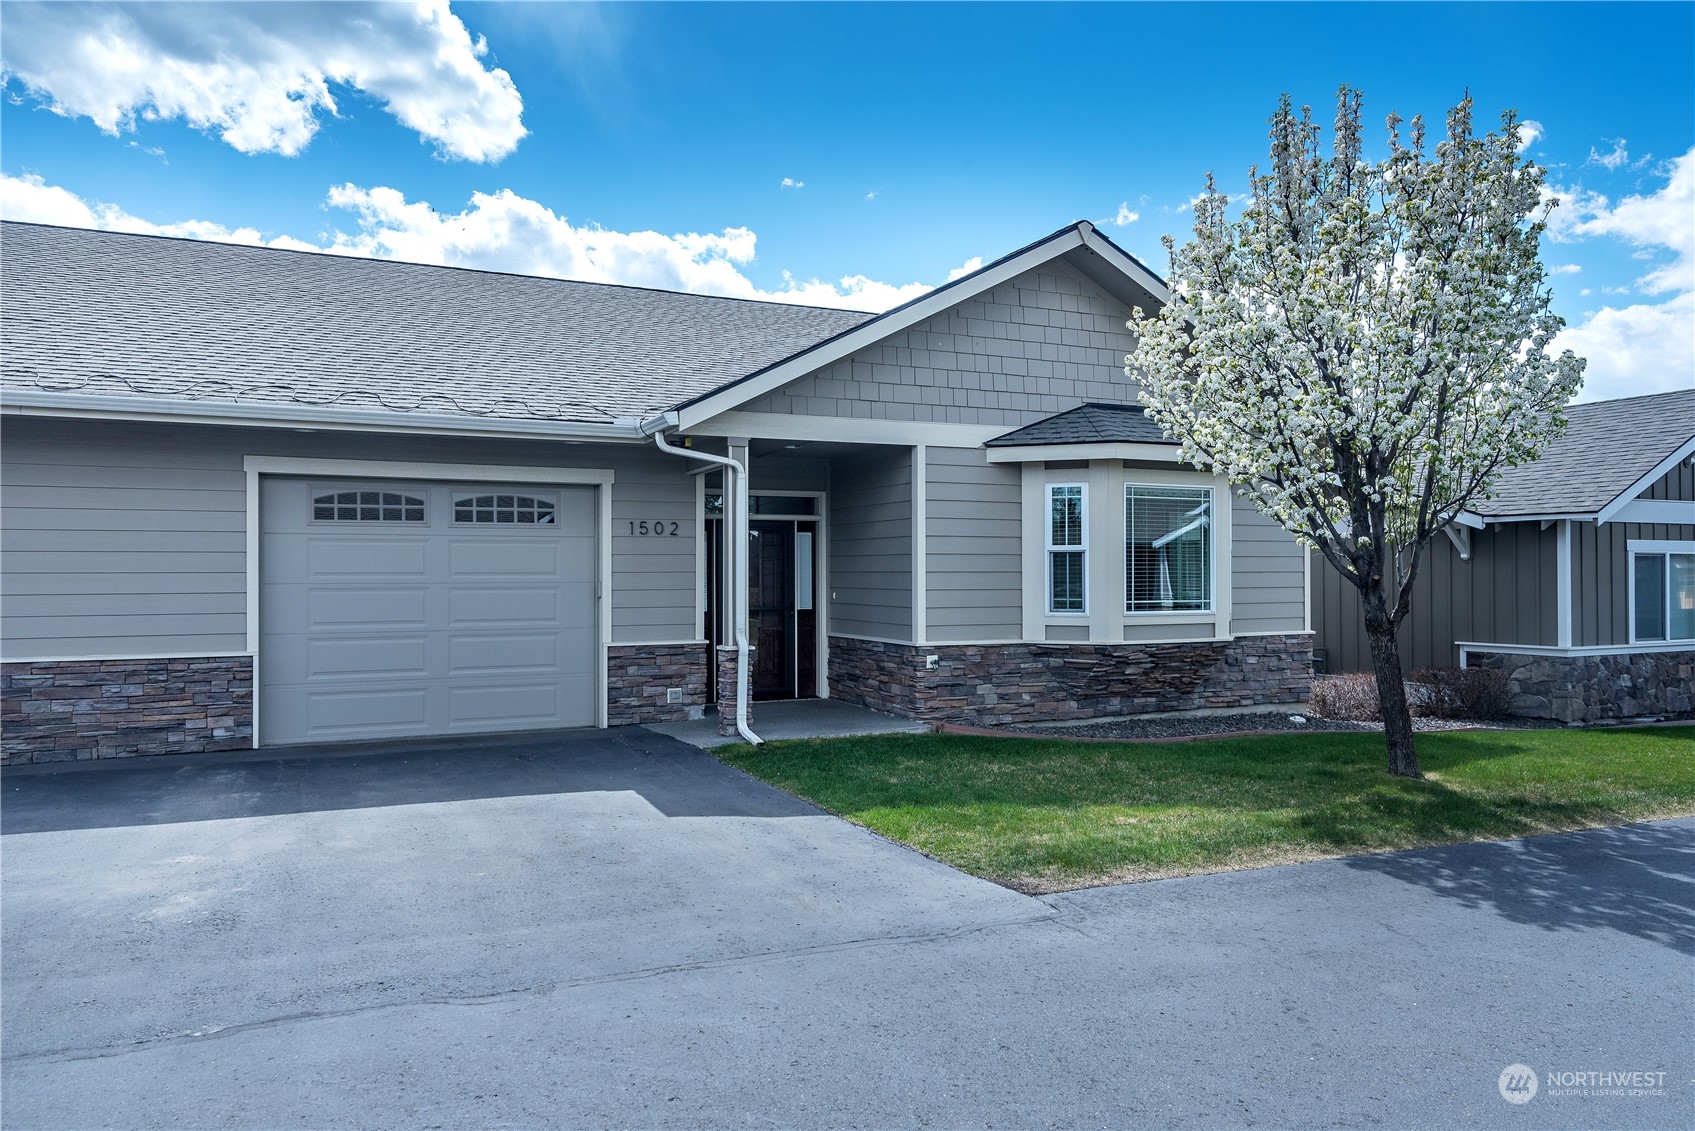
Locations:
column 367, row 506
column 516, row 510
column 1067, row 549
column 1662, row 591
column 1168, row 548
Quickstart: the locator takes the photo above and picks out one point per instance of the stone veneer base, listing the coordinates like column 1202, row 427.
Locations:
column 1589, row 688
column 638, row 676
column 997, row 684
column 68, row 710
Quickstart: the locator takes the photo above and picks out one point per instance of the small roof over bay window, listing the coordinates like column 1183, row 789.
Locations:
column 1089, row 431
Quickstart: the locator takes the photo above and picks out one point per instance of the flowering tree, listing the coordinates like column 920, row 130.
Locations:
column 1364, row 349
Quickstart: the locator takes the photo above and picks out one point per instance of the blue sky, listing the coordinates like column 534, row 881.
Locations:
column 913, row 138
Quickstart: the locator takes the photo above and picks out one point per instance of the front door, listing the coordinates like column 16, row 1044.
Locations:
column 771, row 602
column 782, row 616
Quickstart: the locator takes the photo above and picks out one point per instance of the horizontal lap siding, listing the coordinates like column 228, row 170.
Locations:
column 871, row 545
column 653, row 576
column 974, row 554
column 1042, row 343
column 1268, row 582
column 131, row 539
column 120, row 542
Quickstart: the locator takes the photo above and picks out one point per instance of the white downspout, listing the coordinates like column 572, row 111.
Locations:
column 735, row 490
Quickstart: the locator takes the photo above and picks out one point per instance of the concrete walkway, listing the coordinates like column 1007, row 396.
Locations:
column 796, row 718
column 617, row 930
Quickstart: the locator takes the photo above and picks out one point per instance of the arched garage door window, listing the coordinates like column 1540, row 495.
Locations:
column 521, row 510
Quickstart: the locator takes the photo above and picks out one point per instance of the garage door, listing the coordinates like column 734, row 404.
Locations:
column 390, row 609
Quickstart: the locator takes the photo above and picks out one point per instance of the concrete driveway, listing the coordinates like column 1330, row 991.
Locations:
column 612, row 929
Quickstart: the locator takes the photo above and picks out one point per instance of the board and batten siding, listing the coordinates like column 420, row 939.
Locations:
column 1268, row 574
column 974, row 551
column 1600, row 563
column 1038, row 344
column 130, row 539
column 870, row 538
column 1505, row 594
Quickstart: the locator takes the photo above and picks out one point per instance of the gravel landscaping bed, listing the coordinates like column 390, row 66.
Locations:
column 1188, row 725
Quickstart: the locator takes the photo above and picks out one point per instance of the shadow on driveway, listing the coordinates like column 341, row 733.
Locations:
column 1638, row 879
column 674, row 778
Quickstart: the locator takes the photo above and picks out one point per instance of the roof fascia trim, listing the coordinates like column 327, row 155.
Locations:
column 43, row 403
column 1127, row 450
column 900, row 318
column 1125, row 262
column 1540, row 516
column 1681, row 453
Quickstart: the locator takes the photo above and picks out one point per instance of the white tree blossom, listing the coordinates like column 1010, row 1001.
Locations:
column 1365, row 348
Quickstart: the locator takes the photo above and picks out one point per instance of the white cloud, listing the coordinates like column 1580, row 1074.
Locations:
column 1125, row 216
column 1635, row 350
column 1530, row 132
column 499, row 232
column 1660, row 220
column 975, row 263
column 1565, row 269
column 790, row 182
column 872, row 195
column 1617, row 159
column 32, row 199
column 260, row 75
column 1644, row 347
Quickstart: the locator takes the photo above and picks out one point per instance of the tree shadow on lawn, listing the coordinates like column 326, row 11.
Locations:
column 1636, row 879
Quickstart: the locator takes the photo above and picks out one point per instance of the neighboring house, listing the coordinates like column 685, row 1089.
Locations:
column 1577, row 579
column 255, row 496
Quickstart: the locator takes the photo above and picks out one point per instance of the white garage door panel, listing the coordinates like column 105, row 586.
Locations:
column 391, row 628
column 514, row 559
column 472, row 655
column 495, row 606
column 505, row 707
column 363, row 558
column 355, row 609
column 332, row 659
column 365, row 714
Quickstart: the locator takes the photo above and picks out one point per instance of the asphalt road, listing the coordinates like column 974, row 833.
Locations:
column 612, row 929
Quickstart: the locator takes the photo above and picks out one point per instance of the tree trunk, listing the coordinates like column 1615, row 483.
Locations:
column 1391, row 688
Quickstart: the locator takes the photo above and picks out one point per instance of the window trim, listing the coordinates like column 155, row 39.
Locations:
column 1049, row 549
column 1662, row 548
column 1210, row 610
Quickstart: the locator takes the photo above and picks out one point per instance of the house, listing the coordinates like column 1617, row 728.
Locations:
column 264, row 497
column 1577, row 579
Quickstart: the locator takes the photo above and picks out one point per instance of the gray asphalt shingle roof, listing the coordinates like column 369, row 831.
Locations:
column 124, row 315
column 1088, row 424
column 1608, row 446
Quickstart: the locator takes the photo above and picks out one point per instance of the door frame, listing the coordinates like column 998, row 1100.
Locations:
column 820, row 568
column 305, row 467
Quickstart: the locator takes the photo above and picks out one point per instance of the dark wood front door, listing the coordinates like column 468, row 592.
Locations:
column 771, row 603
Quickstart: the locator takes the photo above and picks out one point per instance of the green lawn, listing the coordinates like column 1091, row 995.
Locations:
column 1044, row 815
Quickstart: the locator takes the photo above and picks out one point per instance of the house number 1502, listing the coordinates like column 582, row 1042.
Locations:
column 652, row 528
